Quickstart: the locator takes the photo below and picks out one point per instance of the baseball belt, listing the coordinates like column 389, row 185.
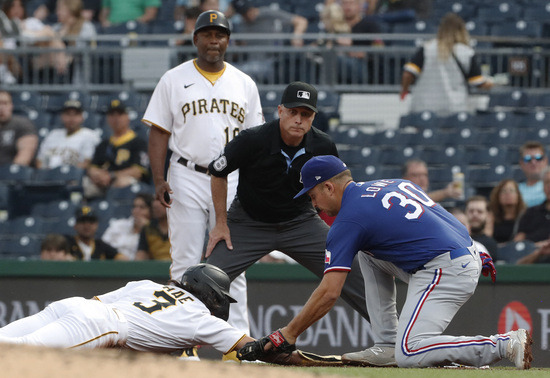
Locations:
column 193, row 166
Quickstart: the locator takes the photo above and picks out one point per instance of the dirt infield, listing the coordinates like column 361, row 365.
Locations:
column 28, row 362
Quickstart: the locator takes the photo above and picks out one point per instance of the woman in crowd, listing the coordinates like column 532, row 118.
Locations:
column 123, row 234
column 506, row 206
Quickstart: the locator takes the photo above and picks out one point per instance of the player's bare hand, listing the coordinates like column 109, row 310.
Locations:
column 218, row 233
column 162, row 193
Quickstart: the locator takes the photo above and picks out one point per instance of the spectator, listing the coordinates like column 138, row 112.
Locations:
column 84, row 245
column 269, row 21
column 541, row 255
column 18, row 138
column 10, row 69
column 124, row 233
column 265, row 20
column 47, row 10
column 71, row 145
column 533, row 162
column 119, row 11
column 461, row 216
column 154, row 243
column 190, row 19
column 51, row 66
column 399, row 10
column 74, row 30
column 443, row 70
column 355, row 65
column 506, row 207
column 332, row 17
column 55, row 247
column 477, row 212
column 534, row 224
column 416, row 171
column 120, row 160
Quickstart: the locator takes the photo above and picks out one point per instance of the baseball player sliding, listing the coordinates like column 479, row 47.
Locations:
column 397, row 231
column 149, row 317
column 195, row 110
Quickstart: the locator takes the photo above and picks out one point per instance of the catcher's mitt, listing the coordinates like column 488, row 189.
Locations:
column 255, row 350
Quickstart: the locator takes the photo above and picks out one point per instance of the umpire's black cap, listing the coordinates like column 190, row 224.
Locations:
column 212, row 18
column 299, row 94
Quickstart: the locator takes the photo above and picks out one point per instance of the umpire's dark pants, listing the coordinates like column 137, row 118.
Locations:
column 302, row 238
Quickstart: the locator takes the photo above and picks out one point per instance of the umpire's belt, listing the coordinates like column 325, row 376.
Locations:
column 193, row 166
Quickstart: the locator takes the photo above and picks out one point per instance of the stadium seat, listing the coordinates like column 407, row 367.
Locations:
column 444, row 155
column 123, row 32
column 53, row 211
column 498, row 11
column 477, row 27
column 397, row 156
column 440, row 176
column 26, row 225
column 456, row 121
column 521, row 28
column 487, row 177
column 359, row 156
column 501, row 137
column 15, row 174
column 394, row 138
column 327, row 101
column 512, row 99
column 428, row 137
column 26, row 101
column 497, row 119
column 537, row 11
column 420, row 121
column 63, row 226
column 481, row 156
column 127, row 194
column 65, row 175
column 53, row 102
column 540, row 135
column 511, row 252
column 23, row 248
column 271, row 98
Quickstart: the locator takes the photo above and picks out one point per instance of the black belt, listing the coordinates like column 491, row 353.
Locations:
column 198, row 168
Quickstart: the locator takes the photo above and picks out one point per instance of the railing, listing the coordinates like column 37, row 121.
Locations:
column 115, row 62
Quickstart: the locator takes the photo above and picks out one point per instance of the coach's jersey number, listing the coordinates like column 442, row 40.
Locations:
column 415, row 200
column 165, row 300
column 227, row 132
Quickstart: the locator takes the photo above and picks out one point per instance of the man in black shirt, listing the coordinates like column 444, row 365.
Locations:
column 477, row 212
column 264, row 216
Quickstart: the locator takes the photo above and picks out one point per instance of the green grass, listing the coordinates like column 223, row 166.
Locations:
column 500, row 372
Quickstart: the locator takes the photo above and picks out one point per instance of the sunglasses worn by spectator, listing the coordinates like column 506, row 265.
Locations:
column 537, row 157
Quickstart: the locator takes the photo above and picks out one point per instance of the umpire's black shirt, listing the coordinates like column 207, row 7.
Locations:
column 268, row 180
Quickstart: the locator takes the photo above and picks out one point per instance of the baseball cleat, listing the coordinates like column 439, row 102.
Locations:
column 518, row 349
column 373, row 356
column 189, row 354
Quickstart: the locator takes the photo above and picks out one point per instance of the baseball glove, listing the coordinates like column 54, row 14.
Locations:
column 255, row 350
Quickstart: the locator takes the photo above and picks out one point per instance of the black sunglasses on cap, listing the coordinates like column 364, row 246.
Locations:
column 537, row 157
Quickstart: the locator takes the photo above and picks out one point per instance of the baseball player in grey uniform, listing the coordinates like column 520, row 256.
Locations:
column 396, row 230
column 195, row 110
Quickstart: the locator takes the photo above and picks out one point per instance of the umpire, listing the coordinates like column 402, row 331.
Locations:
column 264, row 216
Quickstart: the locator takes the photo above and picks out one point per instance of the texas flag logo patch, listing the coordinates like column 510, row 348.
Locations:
column 327, row 256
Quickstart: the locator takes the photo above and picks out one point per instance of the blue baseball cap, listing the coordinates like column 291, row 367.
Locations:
column 319, row 169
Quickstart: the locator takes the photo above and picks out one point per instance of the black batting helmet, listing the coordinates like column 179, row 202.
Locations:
column 212, row 18
column 210, row 284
